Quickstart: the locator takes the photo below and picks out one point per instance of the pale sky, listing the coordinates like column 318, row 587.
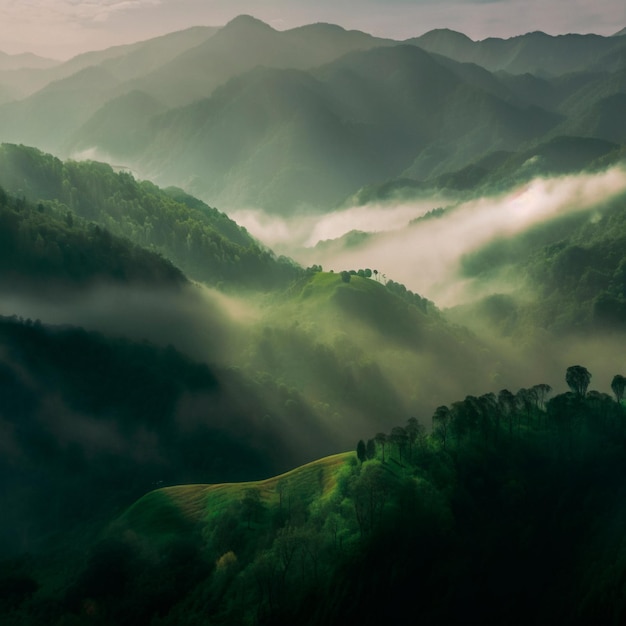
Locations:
column 63, row 28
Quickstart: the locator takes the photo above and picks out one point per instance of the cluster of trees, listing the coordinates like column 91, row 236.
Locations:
column 398, row 289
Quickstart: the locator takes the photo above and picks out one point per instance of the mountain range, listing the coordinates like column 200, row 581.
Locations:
column 247, row 116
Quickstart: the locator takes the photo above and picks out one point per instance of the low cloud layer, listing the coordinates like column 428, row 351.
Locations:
column 291, row 233
column 426, row 255
column 199, row 321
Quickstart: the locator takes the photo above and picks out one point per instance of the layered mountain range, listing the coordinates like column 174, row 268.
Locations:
column 247, row 116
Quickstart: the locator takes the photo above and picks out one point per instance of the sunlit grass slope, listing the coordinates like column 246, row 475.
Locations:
column 363, row 300
column 169, row 511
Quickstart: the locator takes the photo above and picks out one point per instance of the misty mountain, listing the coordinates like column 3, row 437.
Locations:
column 253, row 117
column 558, row 156
column 535, row 53
column 243, row 44
column 118, row 126
column 502, row 169
column 132, row 61
column 125, row 62
column 24, row 60
column 50, row 115
column 91, row 422
column 268, row 136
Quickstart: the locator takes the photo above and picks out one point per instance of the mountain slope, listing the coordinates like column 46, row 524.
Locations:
column 47, row 250
column 203, row 242
column 269, row 136
column 49, row 116
column 91, row 422
column 240, row 46
column 124, row 62
column 570, row 272
column 24, row 60
column 118, row 126
column 603, row 119
column 151, row 515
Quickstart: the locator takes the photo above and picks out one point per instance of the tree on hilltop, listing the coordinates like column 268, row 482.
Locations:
column 618, row 385
column 578, row 378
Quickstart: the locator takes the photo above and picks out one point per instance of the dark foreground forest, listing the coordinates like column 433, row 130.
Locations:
column 510, row 511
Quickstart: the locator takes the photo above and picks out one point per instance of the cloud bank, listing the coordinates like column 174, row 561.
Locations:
column 426, row 255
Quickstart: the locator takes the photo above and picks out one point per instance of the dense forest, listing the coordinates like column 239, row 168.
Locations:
column 44, row 246
column 508, row 511
column 203, row 242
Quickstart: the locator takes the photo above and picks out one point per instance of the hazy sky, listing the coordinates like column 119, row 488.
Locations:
column 62, row 28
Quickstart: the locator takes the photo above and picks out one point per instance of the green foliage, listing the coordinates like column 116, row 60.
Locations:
column 570, row 274
column 361, row 451
column 200, row 240
column 93, row 422
column 578, row 378
column 495, row 489
column 48, row 247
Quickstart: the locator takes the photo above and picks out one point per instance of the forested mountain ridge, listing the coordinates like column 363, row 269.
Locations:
column 47, row 248
column 504, row 170
column 203, row 242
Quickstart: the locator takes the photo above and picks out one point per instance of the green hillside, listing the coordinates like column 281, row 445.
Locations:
column 570, row 273
column 45, row 248
column 448, row 527
column 200, row 240
column 362, row 352
column 161, row 514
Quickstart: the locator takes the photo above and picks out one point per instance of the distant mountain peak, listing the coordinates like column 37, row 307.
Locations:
column 447, row 33
column 246, row 21
column 620, row 33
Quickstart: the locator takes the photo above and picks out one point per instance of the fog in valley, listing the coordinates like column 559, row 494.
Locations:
column 425, row 255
